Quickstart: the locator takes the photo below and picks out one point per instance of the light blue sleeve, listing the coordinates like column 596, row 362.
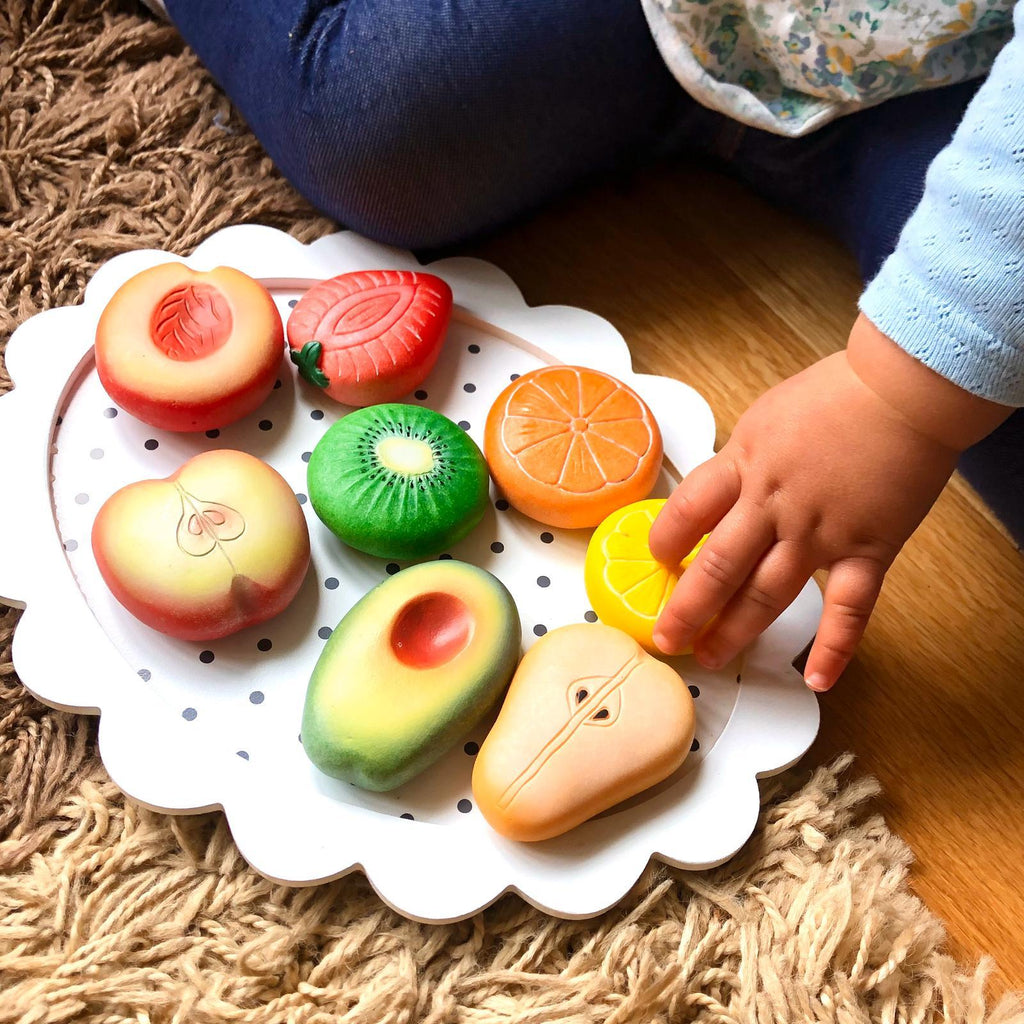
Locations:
column 952, row 294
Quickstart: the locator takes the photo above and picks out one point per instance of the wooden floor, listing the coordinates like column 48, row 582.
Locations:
column 712, row 286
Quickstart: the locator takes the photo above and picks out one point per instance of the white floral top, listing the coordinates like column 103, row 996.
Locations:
column 790, row 66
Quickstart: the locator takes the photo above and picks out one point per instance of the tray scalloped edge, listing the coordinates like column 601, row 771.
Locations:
column 66, row 660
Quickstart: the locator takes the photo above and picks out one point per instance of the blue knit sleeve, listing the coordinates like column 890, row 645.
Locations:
column 952, row 294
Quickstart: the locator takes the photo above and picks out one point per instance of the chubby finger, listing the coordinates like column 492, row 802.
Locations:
column 693, row 509
column 719, row 570
column 771, row 588
column 850, row 594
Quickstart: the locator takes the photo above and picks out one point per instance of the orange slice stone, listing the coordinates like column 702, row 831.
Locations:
column 568, row 445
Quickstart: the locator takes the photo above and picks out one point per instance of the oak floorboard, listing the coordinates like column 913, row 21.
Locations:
column 711, row 285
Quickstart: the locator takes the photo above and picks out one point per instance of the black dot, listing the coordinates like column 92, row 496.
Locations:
column 189, row 714
column 316, row 414
column 739, row 679
column 266, row 425
column 71, row 545
column 151, row 445
column 543, row 581
column 546, row 537
column 391, row 568
column 497, row 547
column 277, row 384
column 407, row 816
column 265, row 644
column 256, row 697
column 60, row 420
column 474, row 349
column 211, row 434
column 695, row 745
column 306, row 456
column 465, row 806
column 324, row 632
column 513, row 376
column 464, row 424
column 110, row 413
column 421, row 394
column 243, row 754
column 590, row 616
column 96, row 453
column 81, row 499
column 694, row 690
column 539, row 629
column 444, row 558
column 206, row 657
column 331, row 583
column 145, row 675
column 300, row 498
column 472, row 748
column 292, row 303
column 501, row 505
column 469, row 388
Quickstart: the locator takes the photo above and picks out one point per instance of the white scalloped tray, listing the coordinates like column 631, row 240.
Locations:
column 189, row 727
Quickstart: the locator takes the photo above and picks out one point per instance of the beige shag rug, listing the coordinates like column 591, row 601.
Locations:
column 112, row 138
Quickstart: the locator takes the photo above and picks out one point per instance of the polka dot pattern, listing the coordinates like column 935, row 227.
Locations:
column 242, row 673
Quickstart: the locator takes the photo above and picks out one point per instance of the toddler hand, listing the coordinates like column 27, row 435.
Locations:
column 833, row 468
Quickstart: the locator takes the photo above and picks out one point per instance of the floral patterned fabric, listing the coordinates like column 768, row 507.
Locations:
column 790, row 66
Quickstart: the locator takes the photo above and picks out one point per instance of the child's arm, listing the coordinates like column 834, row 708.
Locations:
column 835, row 467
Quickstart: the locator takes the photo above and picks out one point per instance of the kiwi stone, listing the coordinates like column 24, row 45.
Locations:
column 398, row 481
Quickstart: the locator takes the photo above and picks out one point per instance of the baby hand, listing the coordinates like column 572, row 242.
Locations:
column 832, row 469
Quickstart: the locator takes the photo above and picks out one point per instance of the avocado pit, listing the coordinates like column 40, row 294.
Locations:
column 430, row 630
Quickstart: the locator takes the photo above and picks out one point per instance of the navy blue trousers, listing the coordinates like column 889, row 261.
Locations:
column 424, row 123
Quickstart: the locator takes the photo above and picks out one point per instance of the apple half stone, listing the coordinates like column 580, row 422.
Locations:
column 219, row 545
column 413, row 667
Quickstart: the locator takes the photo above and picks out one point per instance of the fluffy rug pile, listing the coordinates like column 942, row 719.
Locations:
column 113, row 138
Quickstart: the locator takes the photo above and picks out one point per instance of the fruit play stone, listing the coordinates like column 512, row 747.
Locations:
column 590, row 719
column 626, row 585
column 185, row 350
column 409, row 670
column 398, row 481
column 219, row 545
column 370, row 336
column 568, row 445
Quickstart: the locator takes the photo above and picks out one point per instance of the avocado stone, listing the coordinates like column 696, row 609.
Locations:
column 411, row 668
